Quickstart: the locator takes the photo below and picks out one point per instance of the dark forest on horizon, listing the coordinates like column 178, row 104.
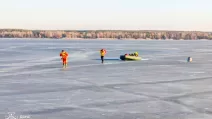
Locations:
column 112, row 34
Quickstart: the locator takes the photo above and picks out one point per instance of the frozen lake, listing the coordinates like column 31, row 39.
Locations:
column 161, row 86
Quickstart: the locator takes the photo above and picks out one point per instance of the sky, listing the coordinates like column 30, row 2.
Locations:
column 192, row 15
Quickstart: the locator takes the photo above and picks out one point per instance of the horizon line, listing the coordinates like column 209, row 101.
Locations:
column 100, row 30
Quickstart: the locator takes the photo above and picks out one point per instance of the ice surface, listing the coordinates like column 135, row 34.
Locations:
column 161, row 86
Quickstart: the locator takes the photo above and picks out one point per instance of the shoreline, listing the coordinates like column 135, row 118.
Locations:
column 106, row 34
column 109, row 39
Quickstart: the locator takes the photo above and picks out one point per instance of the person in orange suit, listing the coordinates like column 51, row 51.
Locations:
column 64, row 58
column 102, row 54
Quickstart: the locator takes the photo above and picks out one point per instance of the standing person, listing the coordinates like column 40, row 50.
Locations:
column 102, row 54
column 64, row 58
column 189, row 59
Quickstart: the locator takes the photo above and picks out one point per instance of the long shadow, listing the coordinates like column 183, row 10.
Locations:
column 109, row 59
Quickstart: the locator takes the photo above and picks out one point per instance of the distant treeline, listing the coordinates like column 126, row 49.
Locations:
column 114, row 34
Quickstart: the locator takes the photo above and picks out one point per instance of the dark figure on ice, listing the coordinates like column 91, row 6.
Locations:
column 102, row 54
column 189, row 59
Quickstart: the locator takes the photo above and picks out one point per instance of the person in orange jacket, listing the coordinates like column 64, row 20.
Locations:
column 102, row 54
column 64, row 58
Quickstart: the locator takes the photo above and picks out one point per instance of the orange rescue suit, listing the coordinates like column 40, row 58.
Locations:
column 64, row 56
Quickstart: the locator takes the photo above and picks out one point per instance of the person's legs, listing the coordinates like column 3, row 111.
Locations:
column 102, row 58
column 62, row 61
column 66, row 61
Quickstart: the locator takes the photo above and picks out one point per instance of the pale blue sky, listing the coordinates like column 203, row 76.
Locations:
column 107, row 14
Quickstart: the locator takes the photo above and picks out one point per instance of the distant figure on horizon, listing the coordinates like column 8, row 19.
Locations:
column 64, row 58
column 189, row 59
column 102, row 54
